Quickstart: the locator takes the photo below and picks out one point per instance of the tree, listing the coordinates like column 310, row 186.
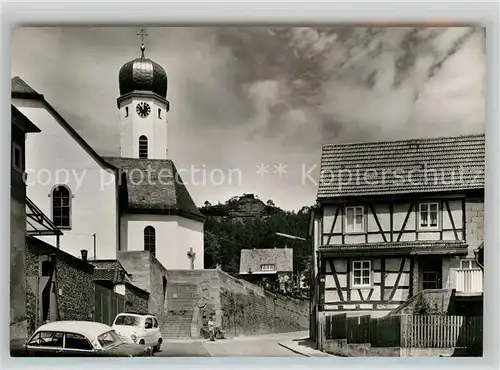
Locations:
column 225, row 238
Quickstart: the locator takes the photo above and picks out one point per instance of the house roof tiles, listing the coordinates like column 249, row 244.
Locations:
column 396, row 248
column 252, row 259
column 154, row 185
column 402, row 167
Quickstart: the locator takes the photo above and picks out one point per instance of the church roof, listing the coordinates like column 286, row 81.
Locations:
column 142, row 74
column 153, row 186
column 21, row 89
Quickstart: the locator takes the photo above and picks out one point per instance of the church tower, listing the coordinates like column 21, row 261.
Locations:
column 143, row 107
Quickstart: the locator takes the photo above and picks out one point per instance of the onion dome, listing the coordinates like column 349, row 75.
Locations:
column 143, row 74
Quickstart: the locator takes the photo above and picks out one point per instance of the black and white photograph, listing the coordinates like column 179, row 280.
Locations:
column 259, row 191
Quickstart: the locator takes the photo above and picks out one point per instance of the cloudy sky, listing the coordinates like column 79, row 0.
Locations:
column 242, row 97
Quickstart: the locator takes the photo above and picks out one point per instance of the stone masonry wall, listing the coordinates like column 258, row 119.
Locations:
column 75, row 299
column 147, row 273
column 239, row 307
column 17, row 269
column 206, row 295
column 474, row 220
column 31, row 265
column 249, row 309
column 136, row 299
column 75, row 296
column 157, row 292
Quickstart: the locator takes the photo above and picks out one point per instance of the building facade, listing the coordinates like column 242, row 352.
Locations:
column 394, row 219
column 20, row 126
column 135, row 201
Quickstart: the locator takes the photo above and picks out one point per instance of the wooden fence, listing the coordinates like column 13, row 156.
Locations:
column 405, row 331
column 441, row 331
column 385, row 331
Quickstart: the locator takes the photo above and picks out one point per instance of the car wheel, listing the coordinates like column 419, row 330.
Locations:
column 158, row 346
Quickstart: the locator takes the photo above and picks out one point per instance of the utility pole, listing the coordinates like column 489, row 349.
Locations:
column 95, row 247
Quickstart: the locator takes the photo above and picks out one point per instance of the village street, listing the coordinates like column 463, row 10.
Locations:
column 258, row 345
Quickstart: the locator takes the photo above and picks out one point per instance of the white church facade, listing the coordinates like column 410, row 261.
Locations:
column 105, row 205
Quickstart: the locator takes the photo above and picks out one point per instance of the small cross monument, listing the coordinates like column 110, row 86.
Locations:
column 191, row 255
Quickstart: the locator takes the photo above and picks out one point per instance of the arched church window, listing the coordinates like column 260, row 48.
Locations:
column 150, row 240
column 143, row 147
column 61, row 206
column 126, row 111
column 159, row 113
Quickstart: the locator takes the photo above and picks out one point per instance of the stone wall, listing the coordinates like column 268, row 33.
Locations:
column 203, row 289
column 148, row 274
column 238, row 307
column 437, row 300
column 17, row 270
column 136, row 299
column 32, row 269
column 158, row 288
column 249, row 309
column 18, row 324
column 74, row 284
column 474, row 223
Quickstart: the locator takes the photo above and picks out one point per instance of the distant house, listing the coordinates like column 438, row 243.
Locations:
column 272, row 268
column 395, row 220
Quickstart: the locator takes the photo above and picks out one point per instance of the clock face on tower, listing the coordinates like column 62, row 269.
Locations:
column 143, row 109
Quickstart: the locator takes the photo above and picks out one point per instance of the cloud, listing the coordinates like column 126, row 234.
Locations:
column 244, row 95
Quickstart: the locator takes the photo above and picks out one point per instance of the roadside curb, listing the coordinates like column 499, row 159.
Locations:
column 293, row 350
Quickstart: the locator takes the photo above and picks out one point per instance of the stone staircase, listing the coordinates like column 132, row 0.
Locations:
column 181, row 301
column 177, row 325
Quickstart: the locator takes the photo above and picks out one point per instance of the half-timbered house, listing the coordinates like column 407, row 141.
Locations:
column 394, row 219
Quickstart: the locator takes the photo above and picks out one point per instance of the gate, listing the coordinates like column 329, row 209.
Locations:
column 107, row 304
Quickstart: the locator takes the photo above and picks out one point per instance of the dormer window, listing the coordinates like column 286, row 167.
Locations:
column 429, row 215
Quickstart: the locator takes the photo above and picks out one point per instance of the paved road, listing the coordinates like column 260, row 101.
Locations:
column 261, row 346
column 182, row 349
column 256, row 348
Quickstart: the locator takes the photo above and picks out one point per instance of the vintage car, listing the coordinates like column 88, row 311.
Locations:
column 141, row 328
column 78, row 339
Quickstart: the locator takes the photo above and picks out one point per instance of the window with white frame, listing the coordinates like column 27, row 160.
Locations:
column 429, row 215
column 361, row 273
column 17, row 157
column 354, row 219
column 267, row 267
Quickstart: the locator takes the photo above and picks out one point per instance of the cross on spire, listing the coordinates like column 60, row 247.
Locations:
column 142, row 34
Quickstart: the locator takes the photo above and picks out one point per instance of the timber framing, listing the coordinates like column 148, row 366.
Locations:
column 394, row 221
column 376, row 260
